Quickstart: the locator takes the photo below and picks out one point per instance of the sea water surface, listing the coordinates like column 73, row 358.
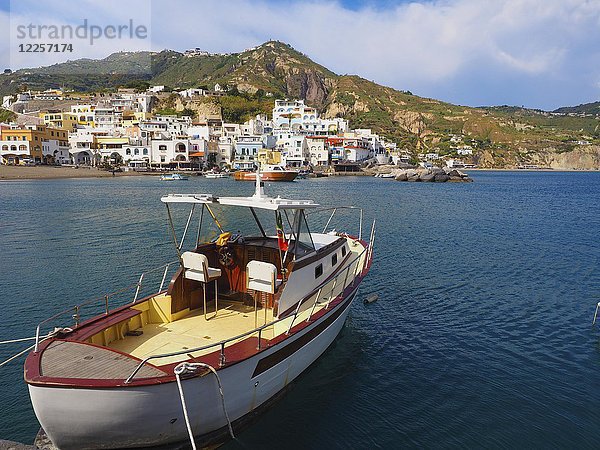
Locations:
column 481, row 336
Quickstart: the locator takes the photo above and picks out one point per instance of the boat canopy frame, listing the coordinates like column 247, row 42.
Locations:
column 257, row 201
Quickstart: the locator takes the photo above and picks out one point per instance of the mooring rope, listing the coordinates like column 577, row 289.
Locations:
column 12, row 341
column 53, row 333
column 185, row 367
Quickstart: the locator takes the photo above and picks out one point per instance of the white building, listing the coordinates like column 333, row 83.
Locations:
column 58, row 150
column 107, row 118
column 225, row 153
column 294, row 150
column 290, row 114
column 246, row 151
column 7, row 100
column 11, row 152
column 166, row 151
column 318, row 150
column 152, row 129
column 84, row 113
column 324, row 127
column 193, row 92
column 175, row 126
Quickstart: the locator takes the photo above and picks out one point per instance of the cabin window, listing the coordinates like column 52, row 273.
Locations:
column 318, row 270
column 343, row 251
column 334, row 259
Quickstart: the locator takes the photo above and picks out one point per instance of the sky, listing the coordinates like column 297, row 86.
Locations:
column 534, row 53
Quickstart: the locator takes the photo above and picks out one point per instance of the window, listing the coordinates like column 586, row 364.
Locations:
column 162, row 148
column 343, row 251
column 318, row 270
column 145, row 151
column 5, row 148
column 128, row 151
column 136, row 151
column 22, row 148
column 162, row 159
column 334, row 259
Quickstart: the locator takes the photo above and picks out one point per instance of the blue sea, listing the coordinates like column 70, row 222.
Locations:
column 482, row 335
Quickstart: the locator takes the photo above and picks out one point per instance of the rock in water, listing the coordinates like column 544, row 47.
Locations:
column 428, row 177
column 401, row 176
column 431, row 175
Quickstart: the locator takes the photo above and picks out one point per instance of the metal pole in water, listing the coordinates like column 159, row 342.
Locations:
column 596, row 314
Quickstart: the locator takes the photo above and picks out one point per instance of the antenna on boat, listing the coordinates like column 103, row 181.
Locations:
column 259, row 191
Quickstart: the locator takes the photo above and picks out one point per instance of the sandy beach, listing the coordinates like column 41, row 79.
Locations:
column 49, row 172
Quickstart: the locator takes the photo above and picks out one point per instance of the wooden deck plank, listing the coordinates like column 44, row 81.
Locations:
column 68, row 359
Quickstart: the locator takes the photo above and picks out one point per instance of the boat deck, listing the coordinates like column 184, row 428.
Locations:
column 68, row 359
column 193, row 331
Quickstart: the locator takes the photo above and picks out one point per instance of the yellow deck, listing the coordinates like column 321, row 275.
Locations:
column 192, row 331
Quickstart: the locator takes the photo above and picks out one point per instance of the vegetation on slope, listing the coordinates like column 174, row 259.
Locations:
column 7, row 116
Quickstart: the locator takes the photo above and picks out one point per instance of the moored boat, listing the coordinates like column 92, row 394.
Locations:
column 303, row 174
column 212, row 175
column 173, row 177
column 242, row 316
column 270, row 173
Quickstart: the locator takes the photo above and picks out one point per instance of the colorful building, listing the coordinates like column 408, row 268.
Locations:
column 34, row 143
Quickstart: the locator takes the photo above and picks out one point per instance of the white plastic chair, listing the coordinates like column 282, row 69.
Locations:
column 195, row 266
column 261, row 277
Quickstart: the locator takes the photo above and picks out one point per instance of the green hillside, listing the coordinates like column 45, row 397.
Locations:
column 586, row 108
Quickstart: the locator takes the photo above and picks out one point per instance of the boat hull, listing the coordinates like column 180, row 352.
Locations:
column 151, row 415
column 266, row 176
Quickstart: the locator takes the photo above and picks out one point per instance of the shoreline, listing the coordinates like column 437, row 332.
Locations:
column 528, row 170
column 28, row 173
column 17, row 173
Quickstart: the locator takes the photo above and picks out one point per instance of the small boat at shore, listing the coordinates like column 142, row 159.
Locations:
column 270, row 173
column 173, row 177
column 212, row 175
column 303, row 174
column 198, row 356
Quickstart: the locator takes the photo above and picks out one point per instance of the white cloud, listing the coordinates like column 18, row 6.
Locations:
column 535, row 52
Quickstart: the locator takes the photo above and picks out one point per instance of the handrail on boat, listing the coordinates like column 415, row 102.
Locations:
column 333, row 210
column 74, row 311
column 259, row 330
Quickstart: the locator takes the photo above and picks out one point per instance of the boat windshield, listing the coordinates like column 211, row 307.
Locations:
column 304, row 243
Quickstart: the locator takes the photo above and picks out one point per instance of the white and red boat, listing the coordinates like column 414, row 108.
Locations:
column 269, row 173
column 241, row 318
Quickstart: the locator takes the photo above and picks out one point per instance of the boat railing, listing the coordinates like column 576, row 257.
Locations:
column 146, row 285
column 322, row 294
column 334, row 210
